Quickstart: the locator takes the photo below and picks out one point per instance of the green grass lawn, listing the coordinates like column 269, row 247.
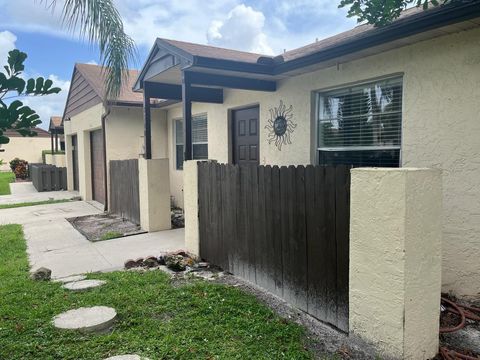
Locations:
column 5, row 179
column 33, row 203
column 156, row 319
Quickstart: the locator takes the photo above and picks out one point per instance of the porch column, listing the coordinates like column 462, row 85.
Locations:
column 154, row 191
column 56, row 140
column 187, row 116
column 51, row 140
column 147, row 118
column 395, row 260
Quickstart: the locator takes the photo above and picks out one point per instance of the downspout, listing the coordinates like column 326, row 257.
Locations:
column 105, row 181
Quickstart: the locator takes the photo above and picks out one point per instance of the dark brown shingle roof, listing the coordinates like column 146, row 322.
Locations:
column 40, row 133
column 95, row 76
column 228, row 54
column 213, row 51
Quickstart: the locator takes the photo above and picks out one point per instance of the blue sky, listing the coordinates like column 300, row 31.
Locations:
column 262, row 26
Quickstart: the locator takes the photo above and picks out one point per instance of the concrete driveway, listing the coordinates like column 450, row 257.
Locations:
column 53, row 243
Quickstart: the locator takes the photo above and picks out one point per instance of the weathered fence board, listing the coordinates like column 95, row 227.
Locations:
column 285, row 229
column 48, row 177
column 124, row 191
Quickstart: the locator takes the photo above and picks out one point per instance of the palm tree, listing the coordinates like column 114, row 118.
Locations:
column 99, row 21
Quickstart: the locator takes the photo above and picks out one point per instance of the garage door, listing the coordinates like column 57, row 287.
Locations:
column 98, row 185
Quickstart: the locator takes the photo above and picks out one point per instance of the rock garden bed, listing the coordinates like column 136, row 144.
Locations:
column 104, row 226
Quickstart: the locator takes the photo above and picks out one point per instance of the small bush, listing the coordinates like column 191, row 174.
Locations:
column 19, row 168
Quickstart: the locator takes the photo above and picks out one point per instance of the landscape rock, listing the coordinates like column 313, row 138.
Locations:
column 177, row 218
column 175, row 262
column 161, row 260
column 130, row 264
column 150, row 262
column 41, row 274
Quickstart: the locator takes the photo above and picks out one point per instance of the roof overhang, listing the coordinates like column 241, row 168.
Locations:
column 166, row 63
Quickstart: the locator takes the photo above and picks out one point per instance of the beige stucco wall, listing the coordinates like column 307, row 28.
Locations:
column 395, row 260
column 154, row 192
column 58, row 160
column 124, row 139
column 26, row 148
column 192, row 235
column 81, row 125
column 440, row 130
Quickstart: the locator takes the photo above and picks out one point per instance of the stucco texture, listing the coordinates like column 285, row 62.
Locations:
column 440, row 128
column 26, row 148
column 58, row 160
column 124, row 139
column 395, row 260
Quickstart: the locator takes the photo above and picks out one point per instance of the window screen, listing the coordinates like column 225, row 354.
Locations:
column 361, row 125
column 199, row 139
column 179, row 144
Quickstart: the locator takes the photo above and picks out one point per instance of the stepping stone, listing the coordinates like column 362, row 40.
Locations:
column 126, row 357
column 83, row 285
column 72, row 278
column 87, row 320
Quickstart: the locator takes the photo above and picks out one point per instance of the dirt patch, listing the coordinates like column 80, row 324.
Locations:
column 104, row 226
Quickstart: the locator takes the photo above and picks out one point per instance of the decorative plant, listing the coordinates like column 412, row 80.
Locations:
column 19, row 168
column 14, row 115
column 382, row 12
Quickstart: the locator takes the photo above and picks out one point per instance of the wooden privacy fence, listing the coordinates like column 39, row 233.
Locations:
column 124, row 193
column 48, row 177
column 284, row 229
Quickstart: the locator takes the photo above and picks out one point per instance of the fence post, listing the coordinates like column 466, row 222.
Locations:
column 190, row 195
column 154, row 190
column 395, row 260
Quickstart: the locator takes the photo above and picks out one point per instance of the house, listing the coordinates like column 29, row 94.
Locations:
column 24, row 147
column 55, row 128
column 404, row 95
column 97, row 132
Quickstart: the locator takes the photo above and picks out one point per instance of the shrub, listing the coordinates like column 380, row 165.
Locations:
column 19, row 168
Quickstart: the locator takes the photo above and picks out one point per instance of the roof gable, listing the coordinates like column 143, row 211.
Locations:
column 81, row 95
column 87, row 89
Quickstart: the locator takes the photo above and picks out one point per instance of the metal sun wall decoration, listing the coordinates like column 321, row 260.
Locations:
column 280, row 125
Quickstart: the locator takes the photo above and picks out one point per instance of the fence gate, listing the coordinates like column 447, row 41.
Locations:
column 285, row 229
column 124, row 193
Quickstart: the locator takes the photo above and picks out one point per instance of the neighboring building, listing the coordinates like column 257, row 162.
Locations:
column 24, row 147
column 404, row 95
column 84, row 137
column 55, row 128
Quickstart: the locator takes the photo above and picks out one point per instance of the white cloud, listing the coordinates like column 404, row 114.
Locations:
column 7, row 43
column 263, row 26
column 242, row 29
column 49, row 105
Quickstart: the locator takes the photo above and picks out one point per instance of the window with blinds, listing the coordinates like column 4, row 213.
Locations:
column 199, row 139
column 361, row 125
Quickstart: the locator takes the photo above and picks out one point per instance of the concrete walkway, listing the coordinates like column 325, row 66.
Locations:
column 53, row 243
column 26, row 192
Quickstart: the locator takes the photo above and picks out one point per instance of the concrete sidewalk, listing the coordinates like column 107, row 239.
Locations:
column 26, row 192
column 53, row 243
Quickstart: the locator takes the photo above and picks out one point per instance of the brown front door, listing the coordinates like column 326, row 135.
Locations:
column 75, row 162
column 96, row 147
column 245, row 136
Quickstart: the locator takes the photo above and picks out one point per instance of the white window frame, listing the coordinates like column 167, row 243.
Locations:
column 182, row 144
column 318, row 94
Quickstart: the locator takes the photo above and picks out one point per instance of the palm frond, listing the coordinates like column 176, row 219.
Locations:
column 100, row 22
